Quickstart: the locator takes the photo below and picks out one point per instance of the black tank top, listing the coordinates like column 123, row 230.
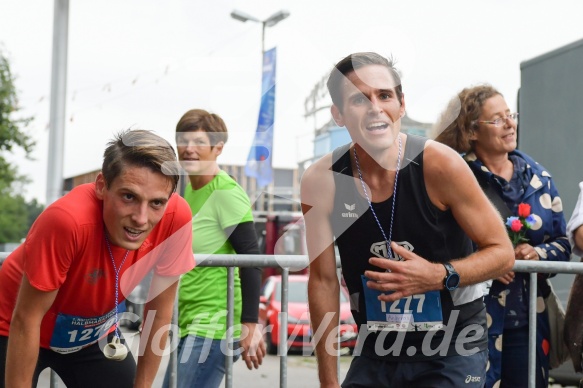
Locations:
column 418, row 226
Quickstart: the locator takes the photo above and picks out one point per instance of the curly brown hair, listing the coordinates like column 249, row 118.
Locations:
column 460, row 117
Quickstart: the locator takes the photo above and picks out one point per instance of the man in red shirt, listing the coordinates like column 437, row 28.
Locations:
column 63, row 288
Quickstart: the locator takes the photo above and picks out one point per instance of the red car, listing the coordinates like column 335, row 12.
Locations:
column 298, row 328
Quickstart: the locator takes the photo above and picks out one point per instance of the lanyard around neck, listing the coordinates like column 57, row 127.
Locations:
column 387, row 240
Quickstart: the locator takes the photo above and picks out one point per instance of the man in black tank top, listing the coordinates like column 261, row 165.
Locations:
column 403, row 212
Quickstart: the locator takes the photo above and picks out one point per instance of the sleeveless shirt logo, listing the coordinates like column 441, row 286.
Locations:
column 379, row 249
column 350, row 214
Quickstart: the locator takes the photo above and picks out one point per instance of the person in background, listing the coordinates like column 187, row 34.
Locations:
column 574, row 231
column 62, row 289
column 573, row 330
column 484, row 132
column 402, row 210
column 222, row 224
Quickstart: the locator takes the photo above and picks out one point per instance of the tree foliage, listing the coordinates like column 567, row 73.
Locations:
column 12, row 132
column 14, row 218
column 15, row 212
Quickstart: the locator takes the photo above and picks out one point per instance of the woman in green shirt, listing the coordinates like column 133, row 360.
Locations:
column 222, row 224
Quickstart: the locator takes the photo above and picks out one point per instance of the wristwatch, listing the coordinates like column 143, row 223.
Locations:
column 452, row 278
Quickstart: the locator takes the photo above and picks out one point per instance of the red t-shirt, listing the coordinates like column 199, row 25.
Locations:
column 65, row 249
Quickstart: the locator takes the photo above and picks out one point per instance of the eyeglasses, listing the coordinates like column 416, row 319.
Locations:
column 501, row 120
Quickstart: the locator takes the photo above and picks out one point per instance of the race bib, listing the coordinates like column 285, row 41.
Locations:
column 73, row 333
column 420, row 312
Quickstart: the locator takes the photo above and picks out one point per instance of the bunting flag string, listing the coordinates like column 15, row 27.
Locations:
column 124, row 86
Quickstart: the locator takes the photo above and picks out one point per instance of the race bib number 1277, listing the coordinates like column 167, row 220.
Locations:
column 421, row 312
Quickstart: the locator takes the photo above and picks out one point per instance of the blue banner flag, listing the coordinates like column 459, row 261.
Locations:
column 259, row 159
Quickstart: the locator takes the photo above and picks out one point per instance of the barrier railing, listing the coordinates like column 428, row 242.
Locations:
column 535, row 267
column 294, row 262
column 285, row 262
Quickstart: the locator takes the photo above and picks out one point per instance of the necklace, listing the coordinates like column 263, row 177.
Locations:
column 387, row 240
column 115, row 350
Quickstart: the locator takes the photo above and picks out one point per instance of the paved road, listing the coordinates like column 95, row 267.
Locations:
column 301, row 372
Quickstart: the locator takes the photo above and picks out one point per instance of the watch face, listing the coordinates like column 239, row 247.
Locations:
column 453, row 280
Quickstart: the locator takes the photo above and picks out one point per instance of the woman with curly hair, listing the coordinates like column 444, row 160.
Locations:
column 480, row 126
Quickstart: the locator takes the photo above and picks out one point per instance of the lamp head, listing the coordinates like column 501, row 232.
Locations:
column 276, row 18
column 242, row 16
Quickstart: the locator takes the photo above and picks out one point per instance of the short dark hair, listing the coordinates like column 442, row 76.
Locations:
column 201, row 120
column 142, row 149
column 356, row 61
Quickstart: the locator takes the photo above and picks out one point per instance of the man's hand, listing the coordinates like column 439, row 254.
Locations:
column 252, row 344
column 413, row 275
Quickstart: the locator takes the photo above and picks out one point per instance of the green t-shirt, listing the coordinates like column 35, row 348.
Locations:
column 202, row 296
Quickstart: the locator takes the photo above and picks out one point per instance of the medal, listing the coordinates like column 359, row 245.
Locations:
column 115, row 350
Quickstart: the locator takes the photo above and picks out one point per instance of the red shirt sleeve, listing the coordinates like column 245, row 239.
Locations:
column 49, row 249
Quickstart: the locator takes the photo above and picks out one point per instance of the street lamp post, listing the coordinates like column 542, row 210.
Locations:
column 260, row 171
column 269, row 22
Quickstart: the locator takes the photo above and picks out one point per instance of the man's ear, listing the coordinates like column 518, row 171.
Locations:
column 337, row 115
column 403, row 108
column 100, row 185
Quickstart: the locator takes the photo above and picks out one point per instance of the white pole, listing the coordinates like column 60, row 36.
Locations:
column 57, row 111
column 58, row 103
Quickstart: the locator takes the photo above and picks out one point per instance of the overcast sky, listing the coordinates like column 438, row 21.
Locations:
column 143, row 63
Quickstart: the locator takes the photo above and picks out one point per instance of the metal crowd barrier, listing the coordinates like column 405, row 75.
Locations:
column 285, row 262
column 298, row 261
column 534, row 267
column 301, row 261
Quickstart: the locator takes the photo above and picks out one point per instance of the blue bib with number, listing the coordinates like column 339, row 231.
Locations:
column 420, row 312
column 72, row 333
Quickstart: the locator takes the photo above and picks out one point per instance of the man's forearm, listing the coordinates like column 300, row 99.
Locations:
column 22, row 356
column 488, row 263
column 326, row 354
column 324, row 313
column 158, row 315
column 150, row 353
column 24, row 336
